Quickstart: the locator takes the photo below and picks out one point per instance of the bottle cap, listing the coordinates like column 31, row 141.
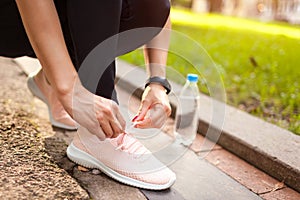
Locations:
column 192, row 77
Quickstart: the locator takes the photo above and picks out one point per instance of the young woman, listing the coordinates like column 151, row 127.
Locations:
column 61, row 34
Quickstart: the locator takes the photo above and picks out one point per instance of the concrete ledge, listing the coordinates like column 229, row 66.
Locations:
column 268, row 147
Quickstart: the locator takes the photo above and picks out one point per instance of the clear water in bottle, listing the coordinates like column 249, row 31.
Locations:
column 186, row 120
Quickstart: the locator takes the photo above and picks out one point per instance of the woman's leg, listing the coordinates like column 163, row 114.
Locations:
column 92, row 22
column 95, row 21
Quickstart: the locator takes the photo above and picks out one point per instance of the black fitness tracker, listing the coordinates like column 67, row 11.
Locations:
column 160, row 80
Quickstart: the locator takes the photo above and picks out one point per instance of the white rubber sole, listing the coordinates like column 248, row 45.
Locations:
column 82, row 158
column 34, row 89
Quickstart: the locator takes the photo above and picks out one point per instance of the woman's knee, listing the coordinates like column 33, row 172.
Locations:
column 144, row 13
column 157, row 12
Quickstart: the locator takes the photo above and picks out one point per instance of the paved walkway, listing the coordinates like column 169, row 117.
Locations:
column 26, row 169
column 196, row 178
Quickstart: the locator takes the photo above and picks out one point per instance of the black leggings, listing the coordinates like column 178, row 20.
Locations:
column 86, row 24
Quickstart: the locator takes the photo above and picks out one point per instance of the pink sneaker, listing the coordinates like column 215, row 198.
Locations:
column 123, row 158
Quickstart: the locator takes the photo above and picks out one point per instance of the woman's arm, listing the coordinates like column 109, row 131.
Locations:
column 154, row 96
column 43, row 28
column 156, row 58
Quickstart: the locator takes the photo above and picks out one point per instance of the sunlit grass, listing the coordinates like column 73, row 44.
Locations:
column 182, row 17
column 259, row 63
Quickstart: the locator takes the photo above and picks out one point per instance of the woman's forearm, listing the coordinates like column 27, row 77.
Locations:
column 44, row 31
column 155, row 107
column 156, row 58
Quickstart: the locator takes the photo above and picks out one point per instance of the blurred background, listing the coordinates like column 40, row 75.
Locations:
column 282, row 10
column 255, row 45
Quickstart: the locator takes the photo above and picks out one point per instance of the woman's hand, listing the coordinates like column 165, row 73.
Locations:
column 99, row 115
column 154, row 109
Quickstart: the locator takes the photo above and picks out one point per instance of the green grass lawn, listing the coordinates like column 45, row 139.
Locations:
column 259, row 62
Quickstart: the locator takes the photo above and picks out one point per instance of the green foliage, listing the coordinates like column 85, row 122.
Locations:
column 259, row 63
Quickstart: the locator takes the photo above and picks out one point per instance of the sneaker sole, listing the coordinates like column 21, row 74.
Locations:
column 36, row 92
column 82, row 158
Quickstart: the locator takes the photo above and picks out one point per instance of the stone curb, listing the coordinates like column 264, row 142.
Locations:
column 266, row 146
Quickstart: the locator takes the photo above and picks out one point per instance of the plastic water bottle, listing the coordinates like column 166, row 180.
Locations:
column 186, row 120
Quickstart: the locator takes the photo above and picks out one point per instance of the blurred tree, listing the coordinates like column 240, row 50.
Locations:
column 215, row 6
column 230, row 7
column 283, row 10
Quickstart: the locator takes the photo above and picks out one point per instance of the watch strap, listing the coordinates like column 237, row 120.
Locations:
column 160, row 80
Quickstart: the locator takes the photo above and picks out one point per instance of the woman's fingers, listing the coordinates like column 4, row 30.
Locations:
column 111, row 120
column 119, row 118
column 107, row 129
column 116, row 127
column 144, row 107
column 146, row 123
column 159, row 115
column 155, row 119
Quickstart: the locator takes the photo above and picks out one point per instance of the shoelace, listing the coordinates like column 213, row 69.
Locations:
column 128, row 143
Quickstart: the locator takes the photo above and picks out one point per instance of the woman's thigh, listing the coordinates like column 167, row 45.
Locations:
column 90, row 23
column 94, row 21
